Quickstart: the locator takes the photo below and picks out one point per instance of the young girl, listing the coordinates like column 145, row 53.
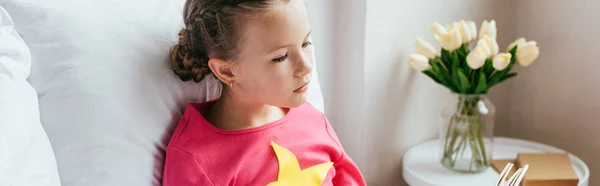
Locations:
column 260, row 131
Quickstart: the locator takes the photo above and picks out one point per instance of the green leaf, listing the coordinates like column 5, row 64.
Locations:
column 507, row 76
column 444, row 52
column 482, row 85
column 454, row 72
column 432, row 76
column 436, row 67
column 455, row 58
column 438, row 80
column 513, row 59
column 465, row 52
column 494, row 79
column 488, row 67
column 462, row 60
column 464, row 81
column 513, row 50
column 456, row 80
column 457, row 62
column 503, row 78
column 466, row 48
column 438, row 70
column 442, row 75
column 446, row 59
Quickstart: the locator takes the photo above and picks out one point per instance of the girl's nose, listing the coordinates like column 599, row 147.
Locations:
column 304, row 65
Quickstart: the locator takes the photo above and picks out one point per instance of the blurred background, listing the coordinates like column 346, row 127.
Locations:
column 380, row 107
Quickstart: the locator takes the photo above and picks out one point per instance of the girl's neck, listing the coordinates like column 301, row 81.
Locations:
column 229, row 113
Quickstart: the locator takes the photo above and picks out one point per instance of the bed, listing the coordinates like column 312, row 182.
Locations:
column 88, row 84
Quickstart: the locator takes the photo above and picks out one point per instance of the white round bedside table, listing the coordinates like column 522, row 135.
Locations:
column 422, row 167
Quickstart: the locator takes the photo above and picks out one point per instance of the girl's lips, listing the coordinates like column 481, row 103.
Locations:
column 302, row 89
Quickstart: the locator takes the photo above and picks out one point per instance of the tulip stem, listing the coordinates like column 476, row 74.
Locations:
column 472, row 75
column 465, row 132
column 443, row 65
column 492, row 74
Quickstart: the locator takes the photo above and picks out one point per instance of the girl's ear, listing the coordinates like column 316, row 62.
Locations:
column 222, row 69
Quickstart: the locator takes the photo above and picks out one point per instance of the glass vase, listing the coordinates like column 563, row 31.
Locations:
column 467, row 133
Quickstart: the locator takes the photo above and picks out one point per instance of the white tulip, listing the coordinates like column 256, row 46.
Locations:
column 473, row 28
column 486, row 49
column 451, row 40
column 476, row 58
column 501, row 61
column 527, row 53
column 448, row 26
column 517, row 42
column 419, row 62
column 489, row 29
column 465, row 31
column 437, row 29
column 490, row 43
column 424, row 48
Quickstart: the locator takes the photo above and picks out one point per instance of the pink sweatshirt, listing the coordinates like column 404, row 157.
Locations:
column 201, row 154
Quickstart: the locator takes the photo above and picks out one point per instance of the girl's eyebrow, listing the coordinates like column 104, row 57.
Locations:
column 307, row 35
column 280, row 47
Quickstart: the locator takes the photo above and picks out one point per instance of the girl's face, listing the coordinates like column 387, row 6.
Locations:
column 275, row 62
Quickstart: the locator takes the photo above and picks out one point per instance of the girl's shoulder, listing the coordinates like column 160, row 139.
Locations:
column 308, row 113
column 308, row 109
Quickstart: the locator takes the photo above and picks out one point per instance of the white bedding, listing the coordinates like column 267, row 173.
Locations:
column 26, row 156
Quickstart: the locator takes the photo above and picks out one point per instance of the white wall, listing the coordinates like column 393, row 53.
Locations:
column 338, row 34
column 556, row 100
column 403, row 106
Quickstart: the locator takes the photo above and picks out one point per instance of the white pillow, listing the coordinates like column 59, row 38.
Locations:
column 26, row 157
column 108, row 100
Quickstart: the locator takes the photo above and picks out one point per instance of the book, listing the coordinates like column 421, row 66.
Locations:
column 547, row 169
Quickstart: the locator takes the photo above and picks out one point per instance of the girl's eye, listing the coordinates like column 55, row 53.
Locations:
column 280, row 59
column 306, row 44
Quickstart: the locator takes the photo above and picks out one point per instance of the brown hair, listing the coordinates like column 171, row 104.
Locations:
column 212, row 29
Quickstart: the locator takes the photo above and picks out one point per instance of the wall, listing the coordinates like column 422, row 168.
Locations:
column 555, row 101
column 338, row 35
column 403, row 107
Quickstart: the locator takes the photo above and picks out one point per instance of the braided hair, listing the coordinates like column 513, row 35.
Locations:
column 212, row 29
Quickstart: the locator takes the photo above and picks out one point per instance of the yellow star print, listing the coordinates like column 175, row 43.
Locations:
column 290, row 173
